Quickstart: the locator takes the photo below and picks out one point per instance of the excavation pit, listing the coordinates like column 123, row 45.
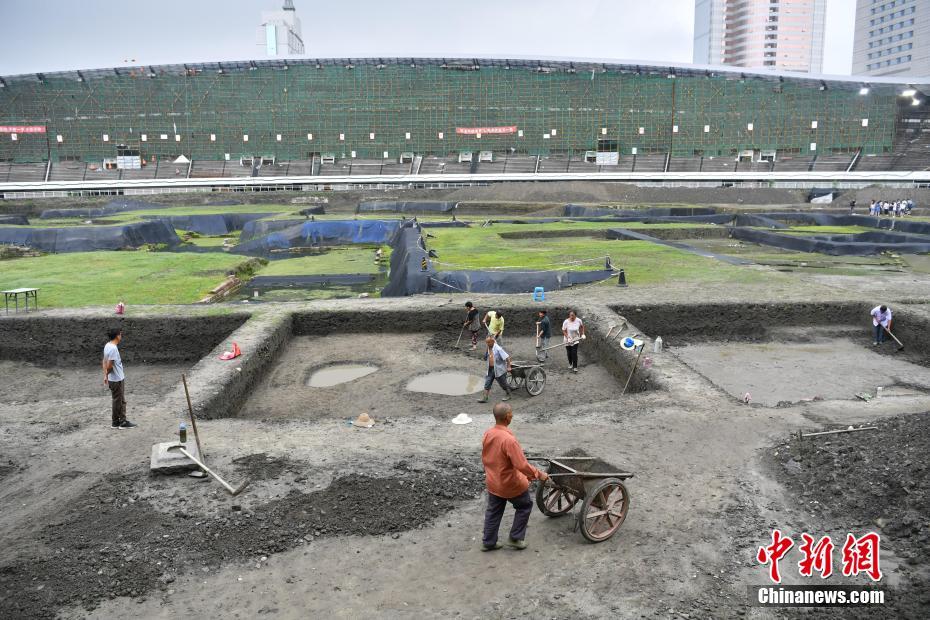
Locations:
column 413, row 379
column 778, row 372
column 338, row 374
column 448, row 383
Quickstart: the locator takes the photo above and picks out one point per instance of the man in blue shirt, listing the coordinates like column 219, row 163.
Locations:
column 498, row 367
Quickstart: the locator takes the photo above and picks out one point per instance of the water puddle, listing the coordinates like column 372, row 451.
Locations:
column 449, row 383
column 343, row 373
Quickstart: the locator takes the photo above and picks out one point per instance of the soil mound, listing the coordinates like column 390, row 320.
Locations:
column 870, row 481
column 110, row 544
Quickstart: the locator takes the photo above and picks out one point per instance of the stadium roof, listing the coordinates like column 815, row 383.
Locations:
column 543, row 65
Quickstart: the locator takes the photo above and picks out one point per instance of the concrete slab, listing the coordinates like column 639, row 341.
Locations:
column 164, row 461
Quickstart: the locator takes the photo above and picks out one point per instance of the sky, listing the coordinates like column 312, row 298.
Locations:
column 55, row 35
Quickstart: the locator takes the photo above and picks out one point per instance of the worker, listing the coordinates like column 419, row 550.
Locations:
column 498, row 367
column 573, row 332
column 881, row 320
column 507, row 477
column 494, row 323
column 543, row 332
column 472, row 323
column 115, row 379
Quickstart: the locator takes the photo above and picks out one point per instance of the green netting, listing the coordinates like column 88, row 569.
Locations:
column 343, row 107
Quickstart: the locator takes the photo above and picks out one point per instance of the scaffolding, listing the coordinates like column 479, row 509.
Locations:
column 380, row 108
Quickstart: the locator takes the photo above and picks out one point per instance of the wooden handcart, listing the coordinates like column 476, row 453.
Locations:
column 597, row 485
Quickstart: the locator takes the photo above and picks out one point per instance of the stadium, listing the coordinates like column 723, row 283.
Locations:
column 289, row 253
column 281, row 123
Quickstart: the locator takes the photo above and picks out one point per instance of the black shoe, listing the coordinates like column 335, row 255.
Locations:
column 126, row 424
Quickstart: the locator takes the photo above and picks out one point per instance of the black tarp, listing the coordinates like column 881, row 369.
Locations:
column 90, row 238
column 259, row 228
column 455, row 224
column 407, row 274
column 14, row 220
column 571, row 210
column 412, row 272
column 114, row 206
column 504, row 281
column 212, row 224
column 317, row 210
column 309, row 281
column 373, row 206
column 328, row 232
column 835, row 245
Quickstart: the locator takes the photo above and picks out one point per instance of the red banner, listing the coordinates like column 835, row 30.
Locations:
column 22, row 129
column 473, row 131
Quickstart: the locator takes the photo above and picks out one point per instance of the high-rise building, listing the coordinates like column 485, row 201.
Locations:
column 892, row 37
column 280, row 33
column 767, row 34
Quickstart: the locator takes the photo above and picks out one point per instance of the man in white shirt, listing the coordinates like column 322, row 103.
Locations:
column 572, row 332
column 881, row 320
column 115, row 379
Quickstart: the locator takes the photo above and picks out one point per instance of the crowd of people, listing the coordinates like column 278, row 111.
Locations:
column 895, row 208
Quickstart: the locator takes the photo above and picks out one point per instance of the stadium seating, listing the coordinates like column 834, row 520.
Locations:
column 832, row 162
column 718, row 164
column 278, row 169
column 67, row 171
column 205, row 169
column 299, row 167
column 652, row 162
column 147, row 172
column 24, row 172
column 793, row 164
column 684, row 164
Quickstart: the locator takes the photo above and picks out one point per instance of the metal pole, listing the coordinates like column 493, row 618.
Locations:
column 193, row 419
column 633, row 369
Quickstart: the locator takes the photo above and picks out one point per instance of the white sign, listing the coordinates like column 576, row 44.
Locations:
column 607, row 159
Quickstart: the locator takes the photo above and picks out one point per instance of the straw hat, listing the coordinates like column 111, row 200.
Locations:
column 462, row 418
column 363, row 421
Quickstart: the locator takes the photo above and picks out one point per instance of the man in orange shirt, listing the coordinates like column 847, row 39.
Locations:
column 507, row 476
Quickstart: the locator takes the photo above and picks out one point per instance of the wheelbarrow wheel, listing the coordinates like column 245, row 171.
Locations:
column 603, row 510
column 536, row 381
column 512, row 381
column 553, row 501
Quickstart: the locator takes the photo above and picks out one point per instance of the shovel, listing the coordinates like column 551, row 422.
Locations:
column 568, row 343
column 232, row 491
column 900, row 344
column 459, row 338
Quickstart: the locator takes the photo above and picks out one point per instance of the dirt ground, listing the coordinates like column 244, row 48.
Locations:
column 402, row 358
column 788, row 372
column 343, row 522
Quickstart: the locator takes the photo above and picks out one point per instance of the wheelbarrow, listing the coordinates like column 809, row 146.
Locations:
column 597, row 485
column 529, row 376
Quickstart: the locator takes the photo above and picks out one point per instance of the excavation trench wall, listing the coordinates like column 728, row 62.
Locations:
column 263, row 339
column 54, row 341
column 680, row 324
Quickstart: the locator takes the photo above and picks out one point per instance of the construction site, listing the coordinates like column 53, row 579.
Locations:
column 288, row 252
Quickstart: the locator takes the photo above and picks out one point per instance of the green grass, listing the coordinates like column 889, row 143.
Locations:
column 105, row 278
column 342, row 259
column 647, row 263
